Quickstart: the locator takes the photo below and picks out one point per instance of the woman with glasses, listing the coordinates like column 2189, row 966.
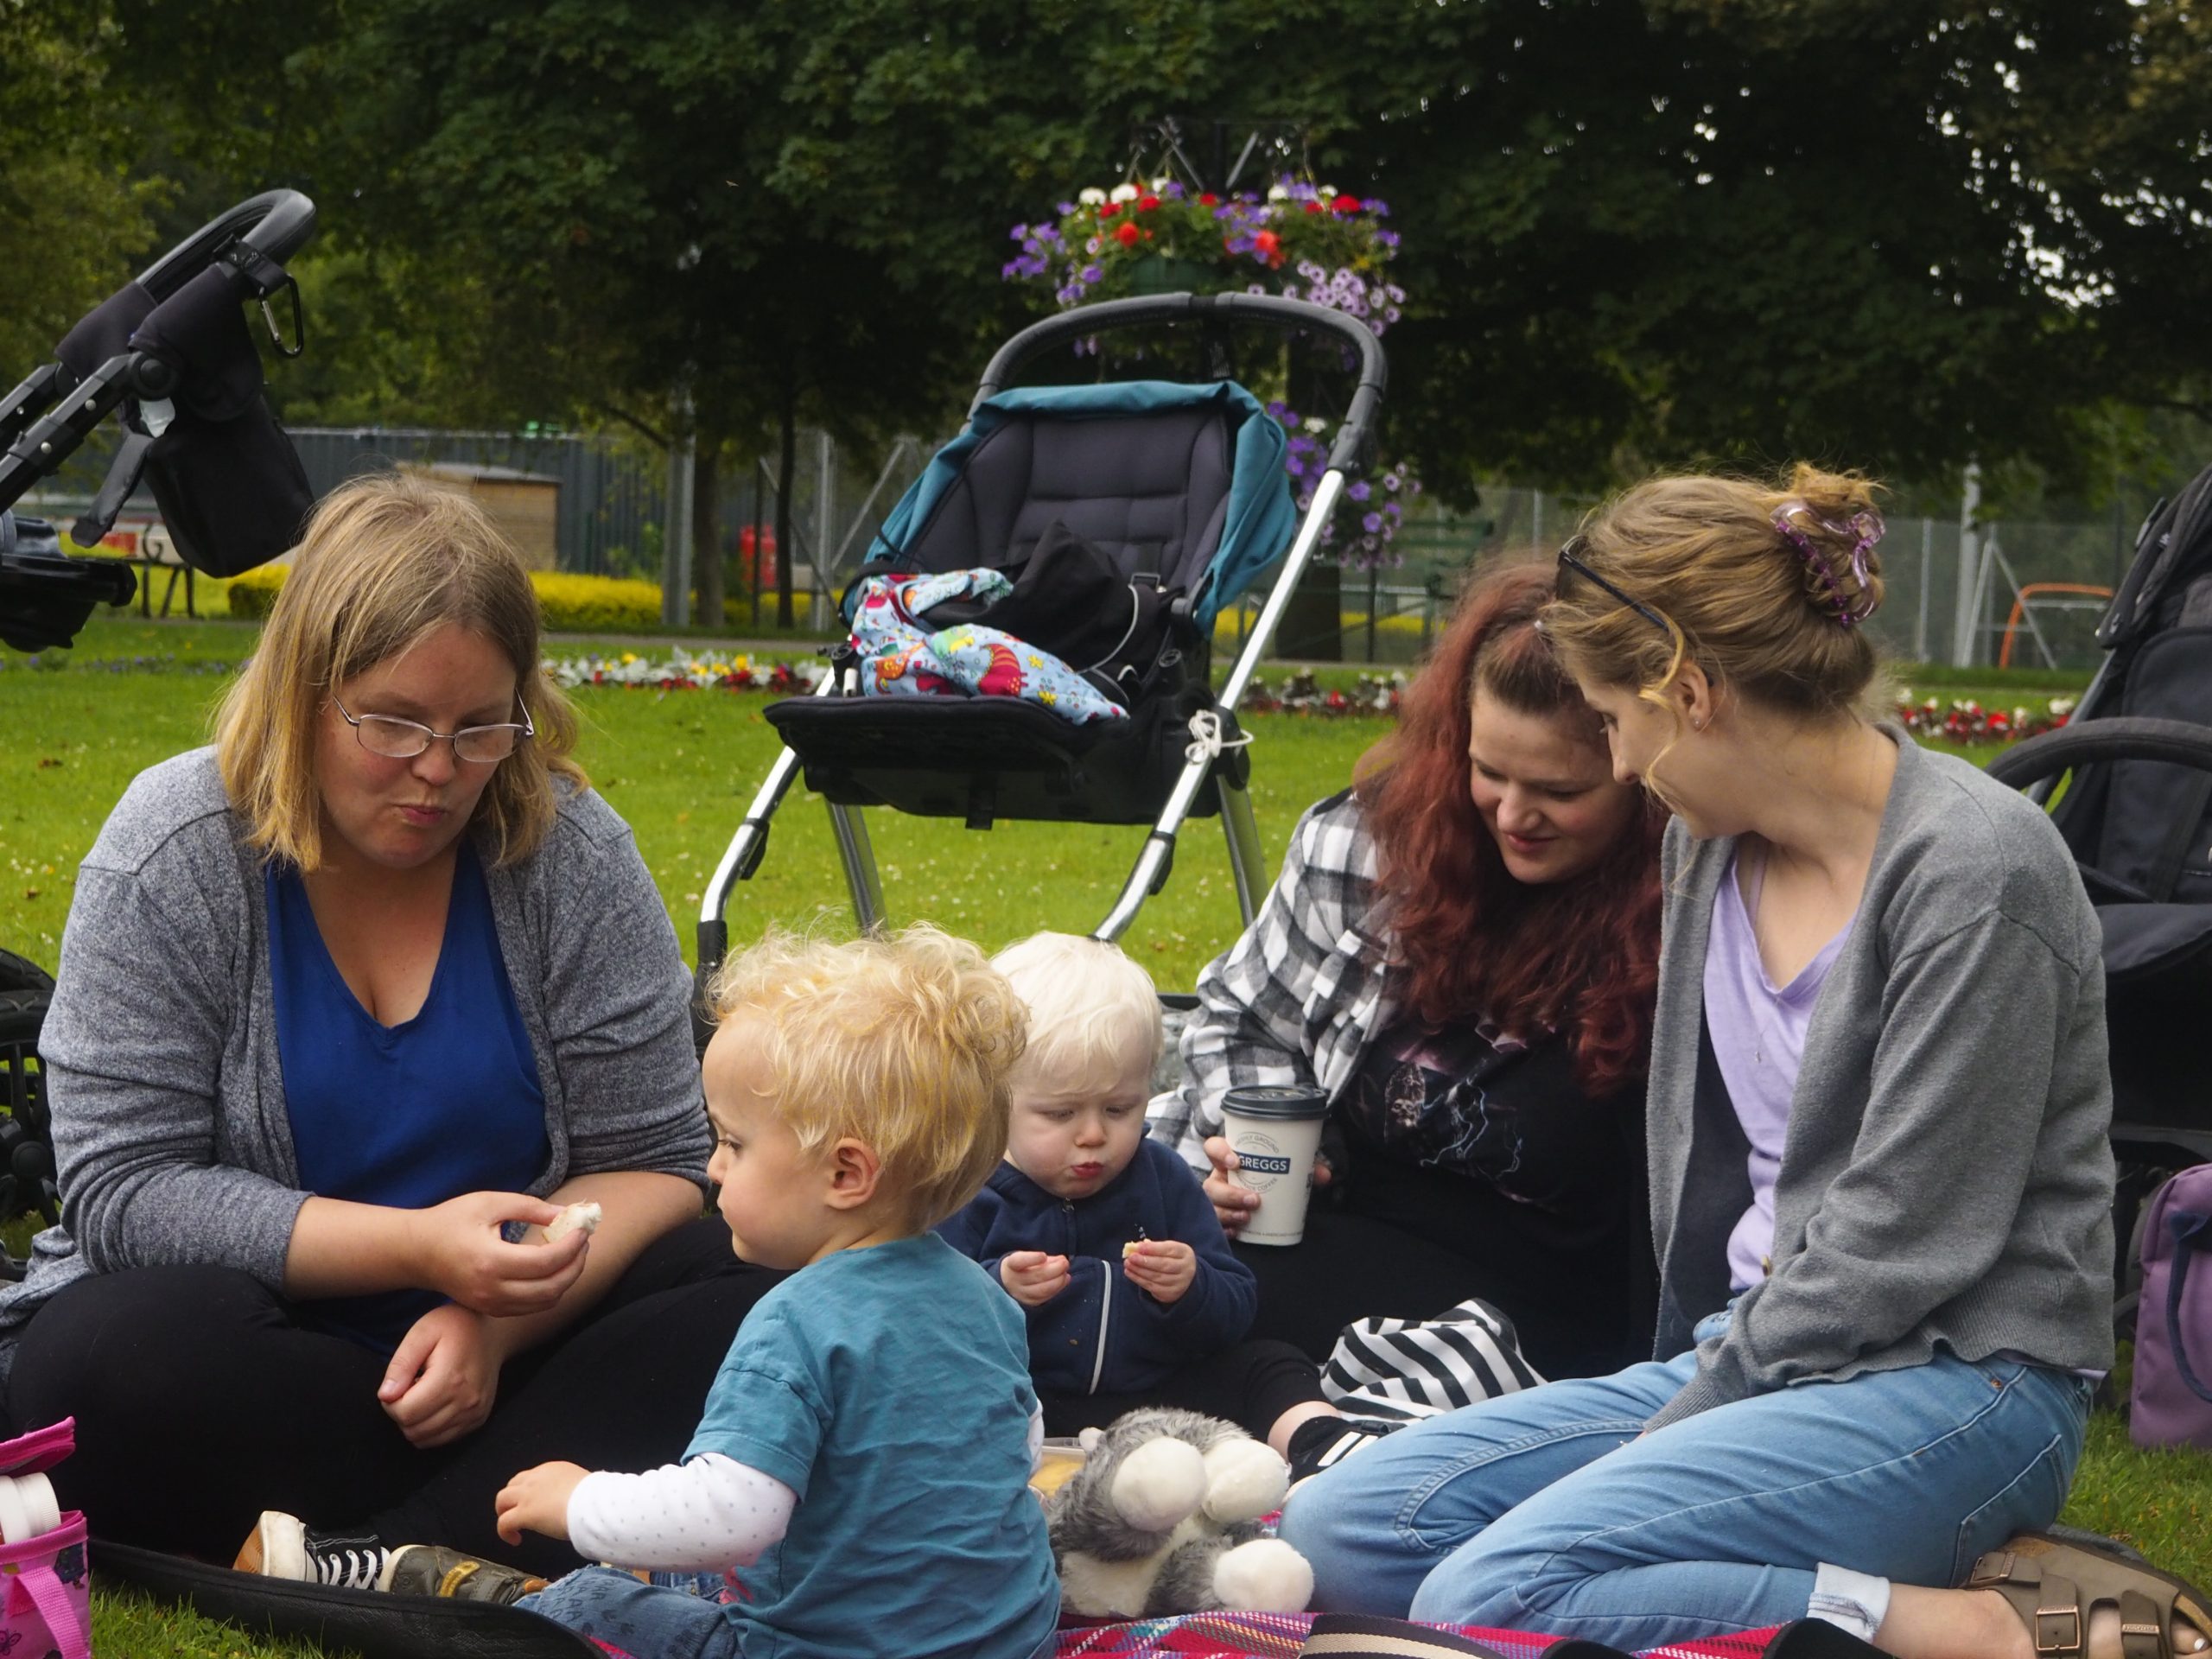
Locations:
column 1880, row 1184
column 352, row 1006
column 1461, row 952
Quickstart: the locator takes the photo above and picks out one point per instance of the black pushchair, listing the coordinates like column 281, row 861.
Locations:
column 170, row 351
column 2137, row 811
column 1177, row 496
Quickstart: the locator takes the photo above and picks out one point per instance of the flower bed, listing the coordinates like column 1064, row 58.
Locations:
column 1965, row 721
column 1374, row 696
column 682, row 671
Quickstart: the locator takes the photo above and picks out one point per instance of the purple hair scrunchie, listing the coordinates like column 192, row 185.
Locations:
column 1864, row 527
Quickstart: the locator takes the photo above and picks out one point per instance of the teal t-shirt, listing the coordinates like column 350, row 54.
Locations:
column 889, row 1388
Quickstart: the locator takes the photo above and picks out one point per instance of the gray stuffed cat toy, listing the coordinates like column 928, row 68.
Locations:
column 1163, row 1517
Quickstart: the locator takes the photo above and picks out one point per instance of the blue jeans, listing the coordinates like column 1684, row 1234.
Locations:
column 1552, row 1511
column 650, row 1621
column 675, row 1619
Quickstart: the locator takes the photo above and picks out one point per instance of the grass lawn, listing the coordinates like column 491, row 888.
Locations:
column 681, row 767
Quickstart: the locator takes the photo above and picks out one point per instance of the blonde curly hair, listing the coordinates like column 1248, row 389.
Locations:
column 902, row 1040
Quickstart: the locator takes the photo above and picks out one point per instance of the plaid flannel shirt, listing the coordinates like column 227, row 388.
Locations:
column 1300, row 996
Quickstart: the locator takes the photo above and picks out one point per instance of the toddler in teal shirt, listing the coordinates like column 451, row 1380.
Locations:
column 859, row 1478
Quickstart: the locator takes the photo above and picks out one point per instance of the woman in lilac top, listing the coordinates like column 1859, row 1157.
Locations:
column 1880, row 1184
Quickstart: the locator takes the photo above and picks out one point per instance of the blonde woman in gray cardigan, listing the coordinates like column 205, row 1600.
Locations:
column 1880, row 1186
column 351, row 1006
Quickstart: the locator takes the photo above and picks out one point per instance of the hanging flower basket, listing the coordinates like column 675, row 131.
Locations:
column 1301, row 240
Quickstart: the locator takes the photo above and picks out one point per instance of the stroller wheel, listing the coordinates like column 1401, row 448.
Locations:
column 22, row 974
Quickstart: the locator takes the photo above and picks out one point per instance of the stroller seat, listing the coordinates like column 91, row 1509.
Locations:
column 1181, row 487
column 1132, row 510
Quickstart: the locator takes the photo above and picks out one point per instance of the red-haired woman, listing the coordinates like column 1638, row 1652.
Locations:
column 1462, row 951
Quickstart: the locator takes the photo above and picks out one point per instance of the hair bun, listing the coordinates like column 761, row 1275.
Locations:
column 1829, row 522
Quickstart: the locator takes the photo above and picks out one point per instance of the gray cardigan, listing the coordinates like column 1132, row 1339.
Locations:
column 170, row 1129
column 1945, row 1176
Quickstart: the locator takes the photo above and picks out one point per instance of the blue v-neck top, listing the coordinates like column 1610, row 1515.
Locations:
column 410, row 1114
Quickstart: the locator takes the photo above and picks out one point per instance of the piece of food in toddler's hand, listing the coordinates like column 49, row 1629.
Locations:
column 1130, row 1249
column 578, row 1218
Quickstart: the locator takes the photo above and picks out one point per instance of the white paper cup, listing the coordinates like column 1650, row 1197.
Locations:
column 1275, row 1134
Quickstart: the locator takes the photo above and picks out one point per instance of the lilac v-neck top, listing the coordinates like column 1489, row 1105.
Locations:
column 1758, row 1036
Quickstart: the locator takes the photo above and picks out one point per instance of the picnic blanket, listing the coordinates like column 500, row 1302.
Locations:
column 1279, row 1636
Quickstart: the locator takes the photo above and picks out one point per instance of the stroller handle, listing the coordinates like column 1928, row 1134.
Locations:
column 276, row 224
column 1344, row 456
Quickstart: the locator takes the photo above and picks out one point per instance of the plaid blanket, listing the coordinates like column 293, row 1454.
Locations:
column 1279, row 1636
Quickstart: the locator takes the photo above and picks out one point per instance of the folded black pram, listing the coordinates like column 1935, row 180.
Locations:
column 1182, row 488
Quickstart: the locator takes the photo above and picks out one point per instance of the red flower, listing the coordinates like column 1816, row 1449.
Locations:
column 1108, row 209
column 1207, row 199
column 1147, row 203
column 1313, row 208
column 1346, row 204
column 1268, row 246
column 1126, row 234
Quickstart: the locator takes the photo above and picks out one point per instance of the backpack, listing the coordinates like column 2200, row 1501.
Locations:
column 2172, row 1398
column 1070, row 598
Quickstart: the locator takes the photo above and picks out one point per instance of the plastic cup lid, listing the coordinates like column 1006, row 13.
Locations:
column 1287, row 1103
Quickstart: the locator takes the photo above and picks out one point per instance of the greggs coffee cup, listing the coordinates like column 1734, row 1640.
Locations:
column 1274, row 1132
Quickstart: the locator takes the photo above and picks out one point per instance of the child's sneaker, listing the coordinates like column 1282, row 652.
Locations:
column 435, row 1570
column 281, row 1546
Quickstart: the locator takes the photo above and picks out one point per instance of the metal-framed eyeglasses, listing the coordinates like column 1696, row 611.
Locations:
column 1569, row 559
column 403, row 739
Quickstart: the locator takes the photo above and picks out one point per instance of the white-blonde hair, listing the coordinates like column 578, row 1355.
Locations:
column 1090, row 1004
column 902, row 1040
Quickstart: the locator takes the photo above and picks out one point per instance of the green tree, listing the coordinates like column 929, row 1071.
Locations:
column 77, row 216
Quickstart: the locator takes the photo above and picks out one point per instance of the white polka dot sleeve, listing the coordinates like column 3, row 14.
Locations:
column 702, row 1516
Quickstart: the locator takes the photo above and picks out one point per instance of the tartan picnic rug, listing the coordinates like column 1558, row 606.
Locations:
column 1279, row 1636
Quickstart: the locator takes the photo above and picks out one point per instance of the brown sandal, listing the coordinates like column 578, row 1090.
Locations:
column 2054, row 1586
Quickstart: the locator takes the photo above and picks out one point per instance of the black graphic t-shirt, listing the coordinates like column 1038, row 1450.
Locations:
column 1473, row 1102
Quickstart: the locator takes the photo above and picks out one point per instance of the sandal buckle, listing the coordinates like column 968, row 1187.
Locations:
column 1991, row 1566
column 2047, row 1627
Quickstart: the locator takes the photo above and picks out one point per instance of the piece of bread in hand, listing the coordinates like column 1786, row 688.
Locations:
column 576, row 1218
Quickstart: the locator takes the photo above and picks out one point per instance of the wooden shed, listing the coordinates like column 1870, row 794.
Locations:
column 526, row 506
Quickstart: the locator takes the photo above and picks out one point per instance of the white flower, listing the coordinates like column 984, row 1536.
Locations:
column 1125, row 192
column 1159, row 187
column 1091, row 198
column 1277, row 193
column 1326, row 192
column 1315, row 423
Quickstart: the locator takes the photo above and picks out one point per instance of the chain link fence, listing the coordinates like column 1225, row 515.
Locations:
column 2017, row 593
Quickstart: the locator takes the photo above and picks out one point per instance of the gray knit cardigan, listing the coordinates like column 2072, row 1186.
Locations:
column 170, row 1129
column 1945, row 1177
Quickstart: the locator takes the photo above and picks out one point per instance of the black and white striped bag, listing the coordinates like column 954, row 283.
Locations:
column 1398, row 1371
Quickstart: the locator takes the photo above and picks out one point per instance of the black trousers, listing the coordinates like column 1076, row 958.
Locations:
column 1352, row 1266
column 200, row 1400
column 1250, row 1384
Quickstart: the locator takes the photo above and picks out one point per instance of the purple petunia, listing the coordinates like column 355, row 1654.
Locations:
column 1371, row 522
column 1359, row 492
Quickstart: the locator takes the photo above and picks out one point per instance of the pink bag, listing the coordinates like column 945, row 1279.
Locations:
column 47, row 1607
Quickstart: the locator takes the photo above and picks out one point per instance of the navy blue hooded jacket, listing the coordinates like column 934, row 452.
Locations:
column 1101, row 1334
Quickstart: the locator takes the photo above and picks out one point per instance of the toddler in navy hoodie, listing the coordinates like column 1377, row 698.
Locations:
column 1106, row 1238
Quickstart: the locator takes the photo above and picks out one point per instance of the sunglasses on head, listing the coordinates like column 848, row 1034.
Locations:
column 1569, row 559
